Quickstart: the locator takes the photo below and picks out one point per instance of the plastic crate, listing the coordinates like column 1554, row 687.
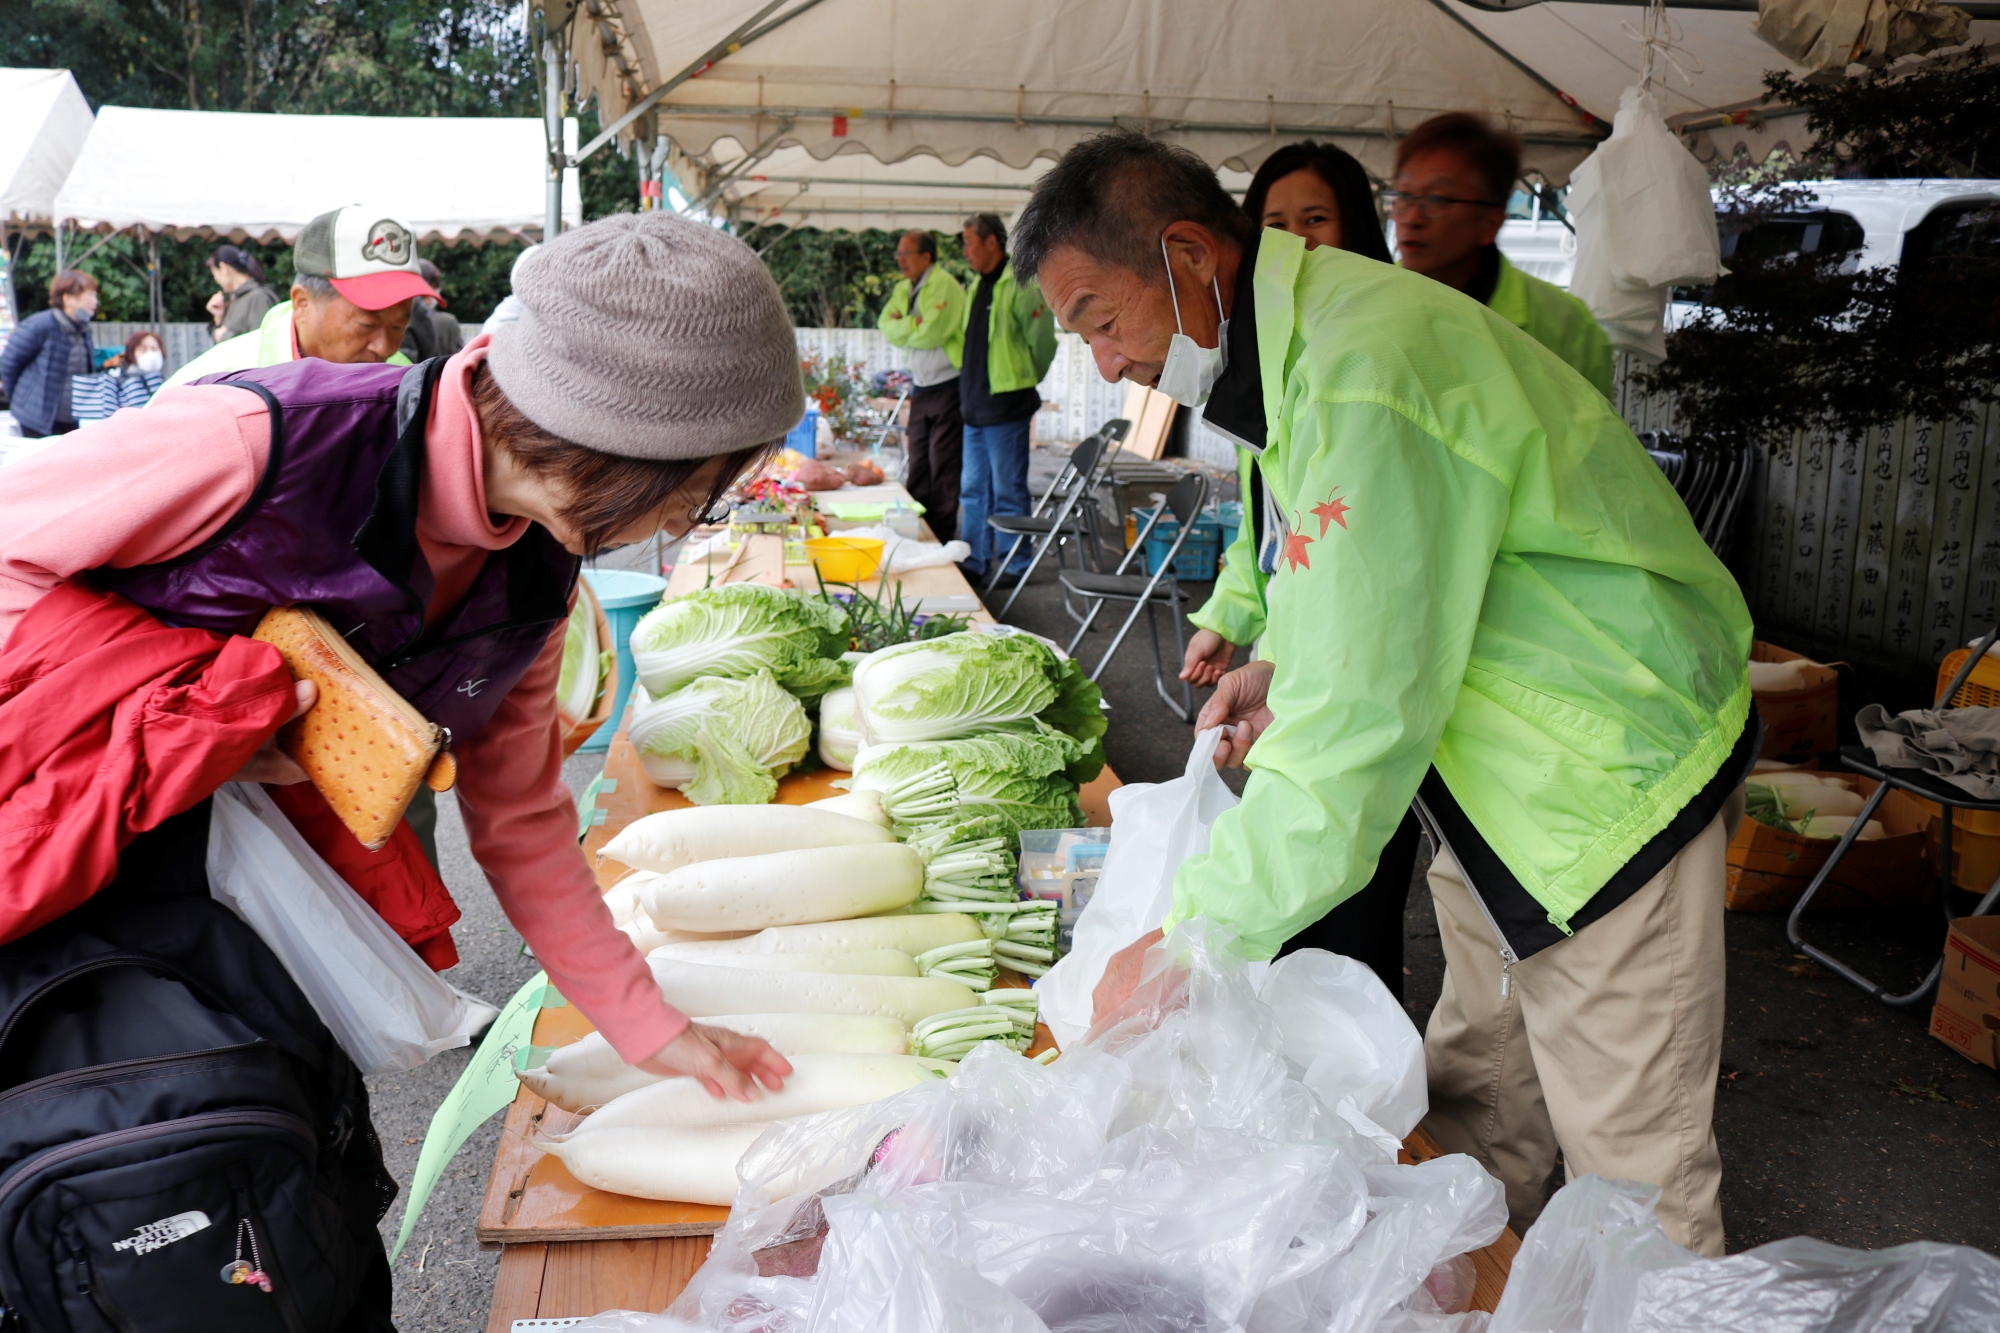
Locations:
column 804, row 437
column 1230, row 515
column 1199, row 555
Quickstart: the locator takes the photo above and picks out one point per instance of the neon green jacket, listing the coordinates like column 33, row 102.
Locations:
column 1482, row 570
column 270, row 345
column 1542, row 310
column 1020, row 334
column 941, row 316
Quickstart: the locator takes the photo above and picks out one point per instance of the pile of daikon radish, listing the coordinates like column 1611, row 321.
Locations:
column 790, row 923
column 1812, row 805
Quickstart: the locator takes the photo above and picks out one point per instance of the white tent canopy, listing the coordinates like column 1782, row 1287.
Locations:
column 1024, row 80
column 851, row 190
column 43, row 123
column 1591, row 51
column 239, row 174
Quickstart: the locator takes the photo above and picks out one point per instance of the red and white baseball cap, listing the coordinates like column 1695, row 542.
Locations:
column 368, row 256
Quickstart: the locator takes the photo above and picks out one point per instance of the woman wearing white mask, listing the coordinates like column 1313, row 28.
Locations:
column 132, row 382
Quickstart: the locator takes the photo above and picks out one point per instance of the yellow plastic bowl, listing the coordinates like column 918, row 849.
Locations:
column 845, row 559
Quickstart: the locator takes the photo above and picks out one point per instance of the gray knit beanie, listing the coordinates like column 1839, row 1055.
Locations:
column 650, row 336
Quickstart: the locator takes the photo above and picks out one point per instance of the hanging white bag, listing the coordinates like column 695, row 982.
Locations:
column 1154, row 827
column 1644, row 222
column 384, row 1005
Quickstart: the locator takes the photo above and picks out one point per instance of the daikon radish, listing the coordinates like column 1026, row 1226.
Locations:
column 1835, row 826
column 623, row 900
column 850, row 962
column 1778, row 677
column 701, row 989
column 1820, row 802
column 859, row 804
column 588, row 1073
column 646, row 936
column 786, row 888
column 911, row 934
column 818, row 1083
column 1809, row 780
column 685, row 1165
column 675, row 838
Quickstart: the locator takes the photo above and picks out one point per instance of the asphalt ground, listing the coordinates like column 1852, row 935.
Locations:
column 1837, row 1117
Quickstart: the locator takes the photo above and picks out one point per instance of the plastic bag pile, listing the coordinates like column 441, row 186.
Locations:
column 1226, row 1163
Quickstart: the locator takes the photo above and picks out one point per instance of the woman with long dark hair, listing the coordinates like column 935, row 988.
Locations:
column 1319, row 193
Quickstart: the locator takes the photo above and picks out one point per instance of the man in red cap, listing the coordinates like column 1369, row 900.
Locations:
column 355, row 274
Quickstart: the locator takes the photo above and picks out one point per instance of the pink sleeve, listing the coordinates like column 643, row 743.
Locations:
column 139, row 488
column 522, row 824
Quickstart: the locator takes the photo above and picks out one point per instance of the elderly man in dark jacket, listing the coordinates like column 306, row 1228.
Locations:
column 45, row 351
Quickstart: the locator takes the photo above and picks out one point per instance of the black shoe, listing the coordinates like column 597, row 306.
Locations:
column 1008, row 582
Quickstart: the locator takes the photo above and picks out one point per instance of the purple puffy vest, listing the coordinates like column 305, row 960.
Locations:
column 332, row 525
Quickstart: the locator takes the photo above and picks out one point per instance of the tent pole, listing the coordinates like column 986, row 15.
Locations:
column 59, row 246
column 153, row 274
column 552, row 123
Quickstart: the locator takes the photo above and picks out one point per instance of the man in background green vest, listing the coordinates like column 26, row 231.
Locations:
column 1010, row 339
column 1454, row 174
column 355, row 276
column 926, row 315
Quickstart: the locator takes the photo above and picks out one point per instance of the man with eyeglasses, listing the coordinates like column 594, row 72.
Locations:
column 1453, row 176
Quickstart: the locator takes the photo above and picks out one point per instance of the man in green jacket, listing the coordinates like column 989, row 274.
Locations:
column 1488, row 599
column 1009, row 341
column 926, row 314
column 355, row 276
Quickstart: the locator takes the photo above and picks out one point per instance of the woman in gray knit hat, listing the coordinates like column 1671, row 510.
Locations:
column 437, row 515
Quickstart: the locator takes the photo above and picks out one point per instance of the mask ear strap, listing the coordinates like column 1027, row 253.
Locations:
column 1164, row 259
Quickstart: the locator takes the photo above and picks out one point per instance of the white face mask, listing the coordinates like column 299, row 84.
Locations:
column 1191, row 370
column 152, row 361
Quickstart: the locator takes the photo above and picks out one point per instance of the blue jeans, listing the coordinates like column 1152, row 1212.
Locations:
column 992, row 479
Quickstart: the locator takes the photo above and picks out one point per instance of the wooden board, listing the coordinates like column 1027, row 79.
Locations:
column 1152, row 416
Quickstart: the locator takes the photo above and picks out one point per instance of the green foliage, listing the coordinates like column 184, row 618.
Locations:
column 353, row 57
column 1940, row 119
column 1792, row 340
column 840, row 387
column 840, row 279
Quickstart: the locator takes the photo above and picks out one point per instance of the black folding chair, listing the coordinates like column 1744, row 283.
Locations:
column 1147, row 593
column 1918, row 783
column 1073, row 493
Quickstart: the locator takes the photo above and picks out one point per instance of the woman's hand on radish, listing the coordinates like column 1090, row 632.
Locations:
column 270, row 764
column 729, row 1064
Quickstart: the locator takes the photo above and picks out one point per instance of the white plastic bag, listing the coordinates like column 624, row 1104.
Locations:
column 385, row 1006
column 1351, row 1040
column 1154, row 827
column 1171, row 1174
column 1644, row 222
column 902, row 554
column 1598, row 1261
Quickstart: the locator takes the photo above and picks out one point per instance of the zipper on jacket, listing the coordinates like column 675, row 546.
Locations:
column 139, row 1134
column 1507, row 955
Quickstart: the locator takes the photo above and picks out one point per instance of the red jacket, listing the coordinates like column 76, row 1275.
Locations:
column 111, row 723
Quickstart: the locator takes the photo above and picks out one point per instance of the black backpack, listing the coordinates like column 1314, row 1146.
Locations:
column 170, row 1104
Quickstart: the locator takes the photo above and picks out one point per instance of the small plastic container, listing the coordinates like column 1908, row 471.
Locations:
column 1061, row 866
column 1199, row 555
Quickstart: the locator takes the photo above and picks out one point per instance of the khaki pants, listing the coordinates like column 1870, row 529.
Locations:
column 1607, row 1045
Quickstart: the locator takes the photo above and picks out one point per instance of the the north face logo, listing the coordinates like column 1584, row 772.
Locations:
column 158, row 1235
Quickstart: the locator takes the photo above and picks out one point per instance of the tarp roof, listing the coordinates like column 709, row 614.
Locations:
column 43, row 123
column 1591, row 51
column 1025, row 79
column 852, row 190
column 238, row 174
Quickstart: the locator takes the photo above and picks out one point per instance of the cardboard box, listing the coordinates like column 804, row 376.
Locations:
column 1769, row 868
column 1798, row 723
column 1967, row 1015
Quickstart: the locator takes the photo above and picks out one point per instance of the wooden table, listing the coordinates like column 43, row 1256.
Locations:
column 568, row 1250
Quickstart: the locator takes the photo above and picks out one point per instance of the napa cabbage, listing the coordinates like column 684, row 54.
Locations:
column 738, row 631
column 721, row 741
